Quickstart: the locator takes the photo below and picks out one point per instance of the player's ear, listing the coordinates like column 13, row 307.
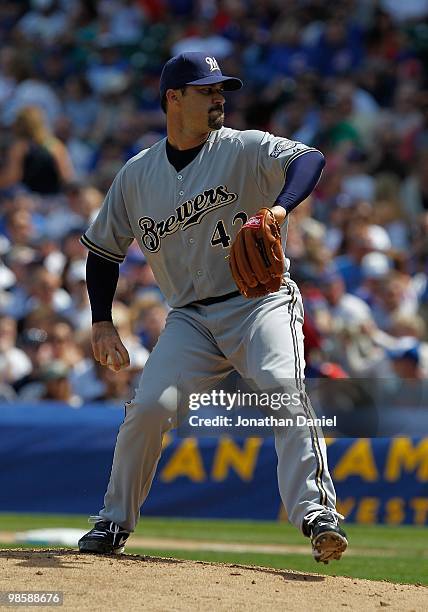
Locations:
column 172, row 96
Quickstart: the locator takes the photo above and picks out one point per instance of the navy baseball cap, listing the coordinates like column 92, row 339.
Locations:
column 194, row 68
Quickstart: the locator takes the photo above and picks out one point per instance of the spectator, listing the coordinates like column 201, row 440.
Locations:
column 14, row 363
column 7, row 82
column 126, row 23
column 122, row 321
column 19, row 228
column 359, row 239
column 36, row 159
column 405, row 332
column 406, row 362
column 34, row 342
column 19, row 260
column 71, row 246
column 403, row 11
column 118, row 386
column 80, row 150
column 79, row 313
column 46, row 22
column 56, row 384
column 45, row 292
column 287, row 55
column 84, row 376
column 108, row 72
column 75, row 213
column 388, row 211
column 420, row 245
column 64, row 347
column 375, row 267
column 396, row 296
column 204, row 40
column 29, row 90
column 7, row 277
column 357, row 183
column 414, row 191
column 347, row 311
column 148, row 317
column 338, row 50
column 407, row 325
column 80, row 105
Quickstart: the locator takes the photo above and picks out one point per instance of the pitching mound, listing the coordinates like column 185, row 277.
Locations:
column 133, row 582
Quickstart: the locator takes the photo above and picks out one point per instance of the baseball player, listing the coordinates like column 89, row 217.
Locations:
column 206, row 205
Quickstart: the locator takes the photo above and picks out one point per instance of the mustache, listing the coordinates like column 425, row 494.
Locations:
column 218, row 107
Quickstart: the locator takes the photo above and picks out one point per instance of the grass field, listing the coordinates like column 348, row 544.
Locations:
column 396, row 554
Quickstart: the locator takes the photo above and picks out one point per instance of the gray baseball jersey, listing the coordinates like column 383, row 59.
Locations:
column 184, row 222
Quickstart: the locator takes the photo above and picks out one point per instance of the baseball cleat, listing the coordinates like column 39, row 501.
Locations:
column 327, row 538
column 105, row 538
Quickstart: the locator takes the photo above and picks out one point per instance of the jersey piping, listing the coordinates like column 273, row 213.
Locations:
column 91, row 246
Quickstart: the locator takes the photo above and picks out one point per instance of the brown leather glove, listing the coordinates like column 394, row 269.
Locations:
column 256, row 257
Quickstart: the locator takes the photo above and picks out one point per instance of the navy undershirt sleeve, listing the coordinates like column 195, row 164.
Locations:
column 101, row 280
column 302, row 176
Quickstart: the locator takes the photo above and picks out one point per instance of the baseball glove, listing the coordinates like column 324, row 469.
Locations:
column 256, row 257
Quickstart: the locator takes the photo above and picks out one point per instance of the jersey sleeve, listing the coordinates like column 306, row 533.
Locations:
column 110, row 234
column 271, row 156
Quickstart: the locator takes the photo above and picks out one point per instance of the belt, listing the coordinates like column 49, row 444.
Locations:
column 215, row 300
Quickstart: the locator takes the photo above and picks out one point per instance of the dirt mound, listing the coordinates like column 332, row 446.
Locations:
column 133, row 582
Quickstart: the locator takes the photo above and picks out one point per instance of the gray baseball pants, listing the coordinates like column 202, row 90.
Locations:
column 262, row 339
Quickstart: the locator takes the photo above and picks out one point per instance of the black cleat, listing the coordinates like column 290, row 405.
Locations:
column 105, row 538
column 327, row 538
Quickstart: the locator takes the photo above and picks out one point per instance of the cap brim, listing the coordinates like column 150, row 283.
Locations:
column 230, row 83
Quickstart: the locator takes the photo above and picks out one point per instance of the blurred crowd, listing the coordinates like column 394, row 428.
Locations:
column 79, row 96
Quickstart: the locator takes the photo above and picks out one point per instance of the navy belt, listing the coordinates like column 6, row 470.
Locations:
column 215, row 300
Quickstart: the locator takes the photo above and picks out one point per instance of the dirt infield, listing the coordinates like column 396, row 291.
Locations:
column 134, row 582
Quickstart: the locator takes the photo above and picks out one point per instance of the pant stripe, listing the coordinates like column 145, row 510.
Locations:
column 308, row 413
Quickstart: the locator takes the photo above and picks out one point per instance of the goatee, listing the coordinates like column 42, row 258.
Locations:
column 215, row 122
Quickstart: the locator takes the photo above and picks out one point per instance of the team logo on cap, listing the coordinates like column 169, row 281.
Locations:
column 212, row 62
